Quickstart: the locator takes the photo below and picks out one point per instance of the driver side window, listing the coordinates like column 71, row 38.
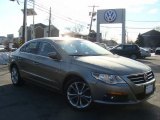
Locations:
column 46, row 48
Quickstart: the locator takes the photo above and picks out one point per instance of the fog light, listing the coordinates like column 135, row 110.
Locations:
column 116, row 97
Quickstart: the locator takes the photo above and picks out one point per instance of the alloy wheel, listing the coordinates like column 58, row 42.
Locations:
column 14, row 75
column 78, row 95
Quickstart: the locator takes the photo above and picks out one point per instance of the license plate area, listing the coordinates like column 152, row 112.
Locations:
column 149, row 89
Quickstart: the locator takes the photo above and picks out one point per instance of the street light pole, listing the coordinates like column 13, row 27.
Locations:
column 49, row 27
column 92, row 15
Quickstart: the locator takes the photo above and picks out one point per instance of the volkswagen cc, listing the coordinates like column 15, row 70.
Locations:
column 84, row 72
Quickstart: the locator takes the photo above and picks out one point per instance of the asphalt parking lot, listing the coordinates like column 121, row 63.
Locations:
column 31, row 102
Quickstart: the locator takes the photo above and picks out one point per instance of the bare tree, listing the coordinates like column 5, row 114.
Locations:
column 77, row 28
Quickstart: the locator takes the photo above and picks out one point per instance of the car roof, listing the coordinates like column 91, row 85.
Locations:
column 59, row 38
column 54, row 39
column 128, row 44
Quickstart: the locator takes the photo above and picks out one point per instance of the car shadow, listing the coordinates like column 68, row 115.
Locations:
column 31, row 102
column 154, row 67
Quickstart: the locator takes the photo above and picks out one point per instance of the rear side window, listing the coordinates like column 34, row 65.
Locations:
column 31, row 47
column 46, row 48
column 128, row 47
column 120, row 47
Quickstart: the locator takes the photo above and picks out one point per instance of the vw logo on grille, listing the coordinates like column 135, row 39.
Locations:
column 145, row 77
column 110, row 16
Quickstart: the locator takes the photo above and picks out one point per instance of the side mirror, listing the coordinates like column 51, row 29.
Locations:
column 54, row 55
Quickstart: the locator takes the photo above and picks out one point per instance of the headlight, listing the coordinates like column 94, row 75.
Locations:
column 110, row 79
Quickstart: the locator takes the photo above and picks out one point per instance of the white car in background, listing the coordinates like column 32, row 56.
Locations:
column 4, row 55
column 145, row 53
column 2, row 48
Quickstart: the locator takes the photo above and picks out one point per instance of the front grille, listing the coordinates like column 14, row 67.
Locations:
column 141, row 78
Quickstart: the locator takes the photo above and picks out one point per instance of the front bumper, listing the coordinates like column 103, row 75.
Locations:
column 128, row 93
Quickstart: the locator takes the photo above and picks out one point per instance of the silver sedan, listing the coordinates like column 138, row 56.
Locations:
column 83, row 71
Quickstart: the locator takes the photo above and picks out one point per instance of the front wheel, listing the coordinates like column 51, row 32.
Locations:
column 78, row 94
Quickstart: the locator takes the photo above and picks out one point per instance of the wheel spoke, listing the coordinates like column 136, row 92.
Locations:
column 77, row 102
column 73, row 97
column 86, row 97
column 81, row 105
column 83, row 87
column 71, row 94
column 73, row 88
column 76, row 87
column 85, row 90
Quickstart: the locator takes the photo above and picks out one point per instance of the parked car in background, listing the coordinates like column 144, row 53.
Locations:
column 2, row 48
column 149, row 49
column 145, row 53
column 127, row 50
column 102, row 45
column 83, row 71
column 157, row 51
column 13, row 49
column 110, row 47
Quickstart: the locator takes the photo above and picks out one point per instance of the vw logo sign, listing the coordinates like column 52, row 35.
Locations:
column 110, row 16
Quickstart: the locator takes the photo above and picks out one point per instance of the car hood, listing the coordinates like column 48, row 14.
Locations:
column 113, row 64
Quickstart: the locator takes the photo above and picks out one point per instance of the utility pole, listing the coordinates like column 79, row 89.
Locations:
column 24, row 34
column 33, row 34
column 92, row 15
column 49, row 27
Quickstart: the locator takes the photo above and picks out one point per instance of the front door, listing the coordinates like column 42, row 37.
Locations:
column 48, row 69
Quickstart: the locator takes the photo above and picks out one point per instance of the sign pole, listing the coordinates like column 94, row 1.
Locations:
column 98, row 30
column 123, row 28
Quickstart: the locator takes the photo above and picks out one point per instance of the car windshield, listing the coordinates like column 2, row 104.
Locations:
column 82, row 48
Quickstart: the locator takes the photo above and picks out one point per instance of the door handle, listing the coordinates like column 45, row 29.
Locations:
column 36, row 63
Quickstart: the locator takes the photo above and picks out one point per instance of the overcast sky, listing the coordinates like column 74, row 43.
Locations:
column 68, row 13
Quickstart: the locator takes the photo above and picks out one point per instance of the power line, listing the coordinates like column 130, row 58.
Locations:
column 128, row 27
column 140, row 21
column 59, row 17
column 63, row 17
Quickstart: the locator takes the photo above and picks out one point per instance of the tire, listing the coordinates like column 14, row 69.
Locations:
column 78, row 94
column 134, row 57
column 15, row 76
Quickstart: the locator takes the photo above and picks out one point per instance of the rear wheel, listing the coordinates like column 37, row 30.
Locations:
column 134, row 57
column 15, row 76
column 78, row 94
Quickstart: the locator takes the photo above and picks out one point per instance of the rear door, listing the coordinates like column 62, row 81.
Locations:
column 27, row 59
column 128, row 50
